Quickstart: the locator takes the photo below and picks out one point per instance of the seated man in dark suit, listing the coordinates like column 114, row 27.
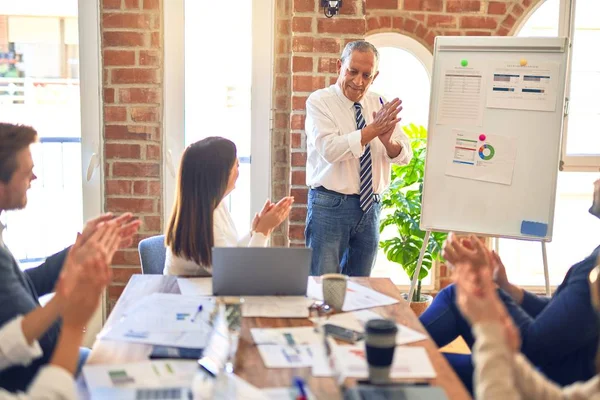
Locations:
column 19, row 291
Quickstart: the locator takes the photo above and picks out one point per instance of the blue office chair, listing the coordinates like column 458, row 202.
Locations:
column 152, row 254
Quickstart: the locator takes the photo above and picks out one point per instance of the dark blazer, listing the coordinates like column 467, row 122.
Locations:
column 19, row 292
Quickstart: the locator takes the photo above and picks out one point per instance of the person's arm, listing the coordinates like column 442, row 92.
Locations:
column 45, row 276
column 400, row 147
column 564, row 325
column 499, row 374
column 323, row 132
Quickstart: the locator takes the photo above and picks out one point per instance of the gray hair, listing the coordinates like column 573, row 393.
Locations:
column 362, row 46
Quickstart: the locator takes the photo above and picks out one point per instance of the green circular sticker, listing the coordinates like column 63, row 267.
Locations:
column 464, row 63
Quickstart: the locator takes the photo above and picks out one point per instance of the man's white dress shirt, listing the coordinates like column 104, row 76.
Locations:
column 333, row 143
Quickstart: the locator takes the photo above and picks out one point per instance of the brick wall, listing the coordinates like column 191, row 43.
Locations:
column 316, row 43
column 132, row 54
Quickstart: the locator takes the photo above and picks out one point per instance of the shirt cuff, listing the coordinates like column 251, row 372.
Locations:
column 14, row 347
column 492, row 331
column 258, row 239
column 53, row 383
column 354, row 139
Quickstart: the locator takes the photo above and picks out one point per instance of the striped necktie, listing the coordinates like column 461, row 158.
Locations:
column 366, row 170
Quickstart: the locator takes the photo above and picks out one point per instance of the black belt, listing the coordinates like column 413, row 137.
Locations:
column 376, row 197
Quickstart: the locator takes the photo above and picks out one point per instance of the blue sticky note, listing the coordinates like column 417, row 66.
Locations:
column 534, row 228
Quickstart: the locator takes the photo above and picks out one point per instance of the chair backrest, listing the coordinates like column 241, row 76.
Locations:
column 152, row 254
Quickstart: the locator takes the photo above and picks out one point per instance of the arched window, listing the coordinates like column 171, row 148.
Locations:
column 405, row 72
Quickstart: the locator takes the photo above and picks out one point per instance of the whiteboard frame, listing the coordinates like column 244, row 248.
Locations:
column 499, row 44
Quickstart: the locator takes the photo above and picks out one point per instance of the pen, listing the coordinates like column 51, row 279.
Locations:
column 300, row 384
column 197, row 312
column 381, row 101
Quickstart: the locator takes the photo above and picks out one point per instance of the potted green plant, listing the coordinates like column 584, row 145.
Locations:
column 404, row 200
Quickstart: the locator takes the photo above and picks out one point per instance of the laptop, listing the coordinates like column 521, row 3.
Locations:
column 260, row 271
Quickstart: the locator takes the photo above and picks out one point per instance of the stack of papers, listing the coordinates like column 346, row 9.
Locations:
column 280, row 356
column 357, row 297
column 358, row 319
column 165, row 319
column 148, row 374
column 409, row 362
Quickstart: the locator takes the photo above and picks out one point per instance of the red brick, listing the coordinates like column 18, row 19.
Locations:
column 122, row 150
column 152, row 223
column 136, row 169
column 152, row 152
column 281, row 121
column 279, row 174
column 298, row 214
column 126, row 257
column 463, row 6
column 115, row 291
column 123, row 39
column 118, row 57
column 126, row 20
column 111, row 4
column 154, row 188
column 155, row 40
column 115, row 114
column 281, row 101
column 281, row 155
column 526, row 3
column 299, row 159
column 135, row 75
column 139, row 95
column 116, row 204
column 497, row 8
column 283, row 27
column 341, row 25
column 305, row 5
column 328, row 64
column 144, row 114
column 350, row 8
column 421, row 31
column 478, row 33
column 282, row 65
column 502, row 31
column 132, row 4
column 149, row 57
column 122, row 275
column 441, row 20
column 296, row 140
column 117, row 188
column 302, row 64
column 398, row 23
column 372, row 24
column 282, row 84
column 109, row 95
column 140, row 188
column 472, row 22
column 381, row 5
column 124, row 132
column 410, row 25
column 307, row 83
column 297, row 121
column 298, row 177
column 302, row 24
column 151, row 4
column 302, row 44
column 297, row 231
column 282, row 45
column 430, row 39
column 517, row 10
column 327, row 45
column 299, row 102
column 509, row 21
column 423, row 5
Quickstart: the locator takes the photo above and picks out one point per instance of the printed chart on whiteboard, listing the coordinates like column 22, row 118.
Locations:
column 463, row 95
column 523, row 87
column 482, row 157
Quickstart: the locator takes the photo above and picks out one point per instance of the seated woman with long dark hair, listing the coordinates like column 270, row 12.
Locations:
column 200, row 219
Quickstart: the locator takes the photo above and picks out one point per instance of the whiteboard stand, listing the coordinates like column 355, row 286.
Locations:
column 415, row 278
column 546, row 274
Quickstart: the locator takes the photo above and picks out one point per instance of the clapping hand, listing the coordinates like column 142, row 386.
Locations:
column 272, row 215
column 127, row 225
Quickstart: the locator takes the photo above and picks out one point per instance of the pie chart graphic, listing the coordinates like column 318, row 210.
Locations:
column 486, row 152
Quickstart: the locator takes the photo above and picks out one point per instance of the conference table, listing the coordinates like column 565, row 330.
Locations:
column 249, row 365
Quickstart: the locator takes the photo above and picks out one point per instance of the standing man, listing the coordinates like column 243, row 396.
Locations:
column 353, row 137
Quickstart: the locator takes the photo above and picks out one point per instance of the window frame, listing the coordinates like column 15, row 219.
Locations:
column 261, row 101
column 422, row 54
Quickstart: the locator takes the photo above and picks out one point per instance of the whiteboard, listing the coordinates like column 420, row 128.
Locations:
column 523, row 208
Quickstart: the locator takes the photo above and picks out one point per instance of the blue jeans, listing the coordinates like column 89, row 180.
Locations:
column 343, row 237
